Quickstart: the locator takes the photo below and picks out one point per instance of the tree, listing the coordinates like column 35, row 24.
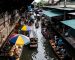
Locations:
column 40, row 4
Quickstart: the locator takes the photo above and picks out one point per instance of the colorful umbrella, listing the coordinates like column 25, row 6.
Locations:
column 26, row 28
column 12, row 35
column 20, row 39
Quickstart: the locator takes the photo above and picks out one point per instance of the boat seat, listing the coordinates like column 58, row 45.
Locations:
column 33, row 41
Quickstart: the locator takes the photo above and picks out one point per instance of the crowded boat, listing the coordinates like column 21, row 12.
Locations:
column 23, row 35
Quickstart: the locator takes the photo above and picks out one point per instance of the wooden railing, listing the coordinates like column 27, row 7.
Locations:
column 5, row 30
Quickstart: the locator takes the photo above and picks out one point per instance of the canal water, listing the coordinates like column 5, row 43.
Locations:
column 43, row 52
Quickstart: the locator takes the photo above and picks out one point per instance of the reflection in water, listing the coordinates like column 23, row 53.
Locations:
column 43, row 52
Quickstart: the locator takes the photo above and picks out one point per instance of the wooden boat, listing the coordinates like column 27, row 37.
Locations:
column 36, row 24
column 33, row 40
column 16, row 51
column 9, row 51
column 45, row 33
column 57, row 52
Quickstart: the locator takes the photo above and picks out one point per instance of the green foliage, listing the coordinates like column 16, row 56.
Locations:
column 40, row 4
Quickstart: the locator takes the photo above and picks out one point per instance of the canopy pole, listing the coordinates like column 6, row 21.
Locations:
column 65, row 4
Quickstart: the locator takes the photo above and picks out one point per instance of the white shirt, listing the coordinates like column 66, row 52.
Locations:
column 32, row 16
column 38, row 15
column 22, row 22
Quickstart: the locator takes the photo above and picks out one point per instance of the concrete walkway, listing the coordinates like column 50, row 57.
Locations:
column 5, row 31
column 69, row 4
column 58, row 6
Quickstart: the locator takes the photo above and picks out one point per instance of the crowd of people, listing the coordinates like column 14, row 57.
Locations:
column 26, row 18
column 55, row 41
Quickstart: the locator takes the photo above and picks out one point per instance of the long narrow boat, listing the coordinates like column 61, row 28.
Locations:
column 16, row 52
column 8, row 50
column 36, row 25
column 33, row 40
column 57, row 52
column 70, row 36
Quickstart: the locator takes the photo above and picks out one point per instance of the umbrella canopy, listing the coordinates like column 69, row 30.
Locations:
column 19, row 39
column 26, row 28
column 12, row 35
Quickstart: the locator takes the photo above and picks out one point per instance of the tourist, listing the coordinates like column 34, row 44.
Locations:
column 38, row 17
column 32, row 17
column 21, row 21
column 60, row 42
column 62, row 50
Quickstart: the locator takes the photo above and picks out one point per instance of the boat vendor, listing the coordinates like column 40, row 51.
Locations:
column 60, row 42
column 38, row 17
column 15, row 52
column 32, row 18
column 36, row 24
column 21, row 21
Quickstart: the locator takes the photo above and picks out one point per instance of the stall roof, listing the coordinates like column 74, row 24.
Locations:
column 73, row 13
column 50, row 13
column 67, row 9
column 70, row 23
column 60, row 8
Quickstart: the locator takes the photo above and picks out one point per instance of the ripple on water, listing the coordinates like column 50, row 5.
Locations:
column 43, row 52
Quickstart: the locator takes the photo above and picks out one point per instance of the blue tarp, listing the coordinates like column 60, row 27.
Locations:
column 70, row 23
column 29, row 8
column 50, row 13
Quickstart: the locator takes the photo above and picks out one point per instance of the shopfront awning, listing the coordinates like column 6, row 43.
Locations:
column 72, row 13
column 65, row 9
column 71, row 32
column 50, row 13
column 70, row 23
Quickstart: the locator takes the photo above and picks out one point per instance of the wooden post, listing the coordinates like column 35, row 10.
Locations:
column 1, row 37
column 65, row 4
column 4, row 20
column 52, row 2
column 7, row 30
